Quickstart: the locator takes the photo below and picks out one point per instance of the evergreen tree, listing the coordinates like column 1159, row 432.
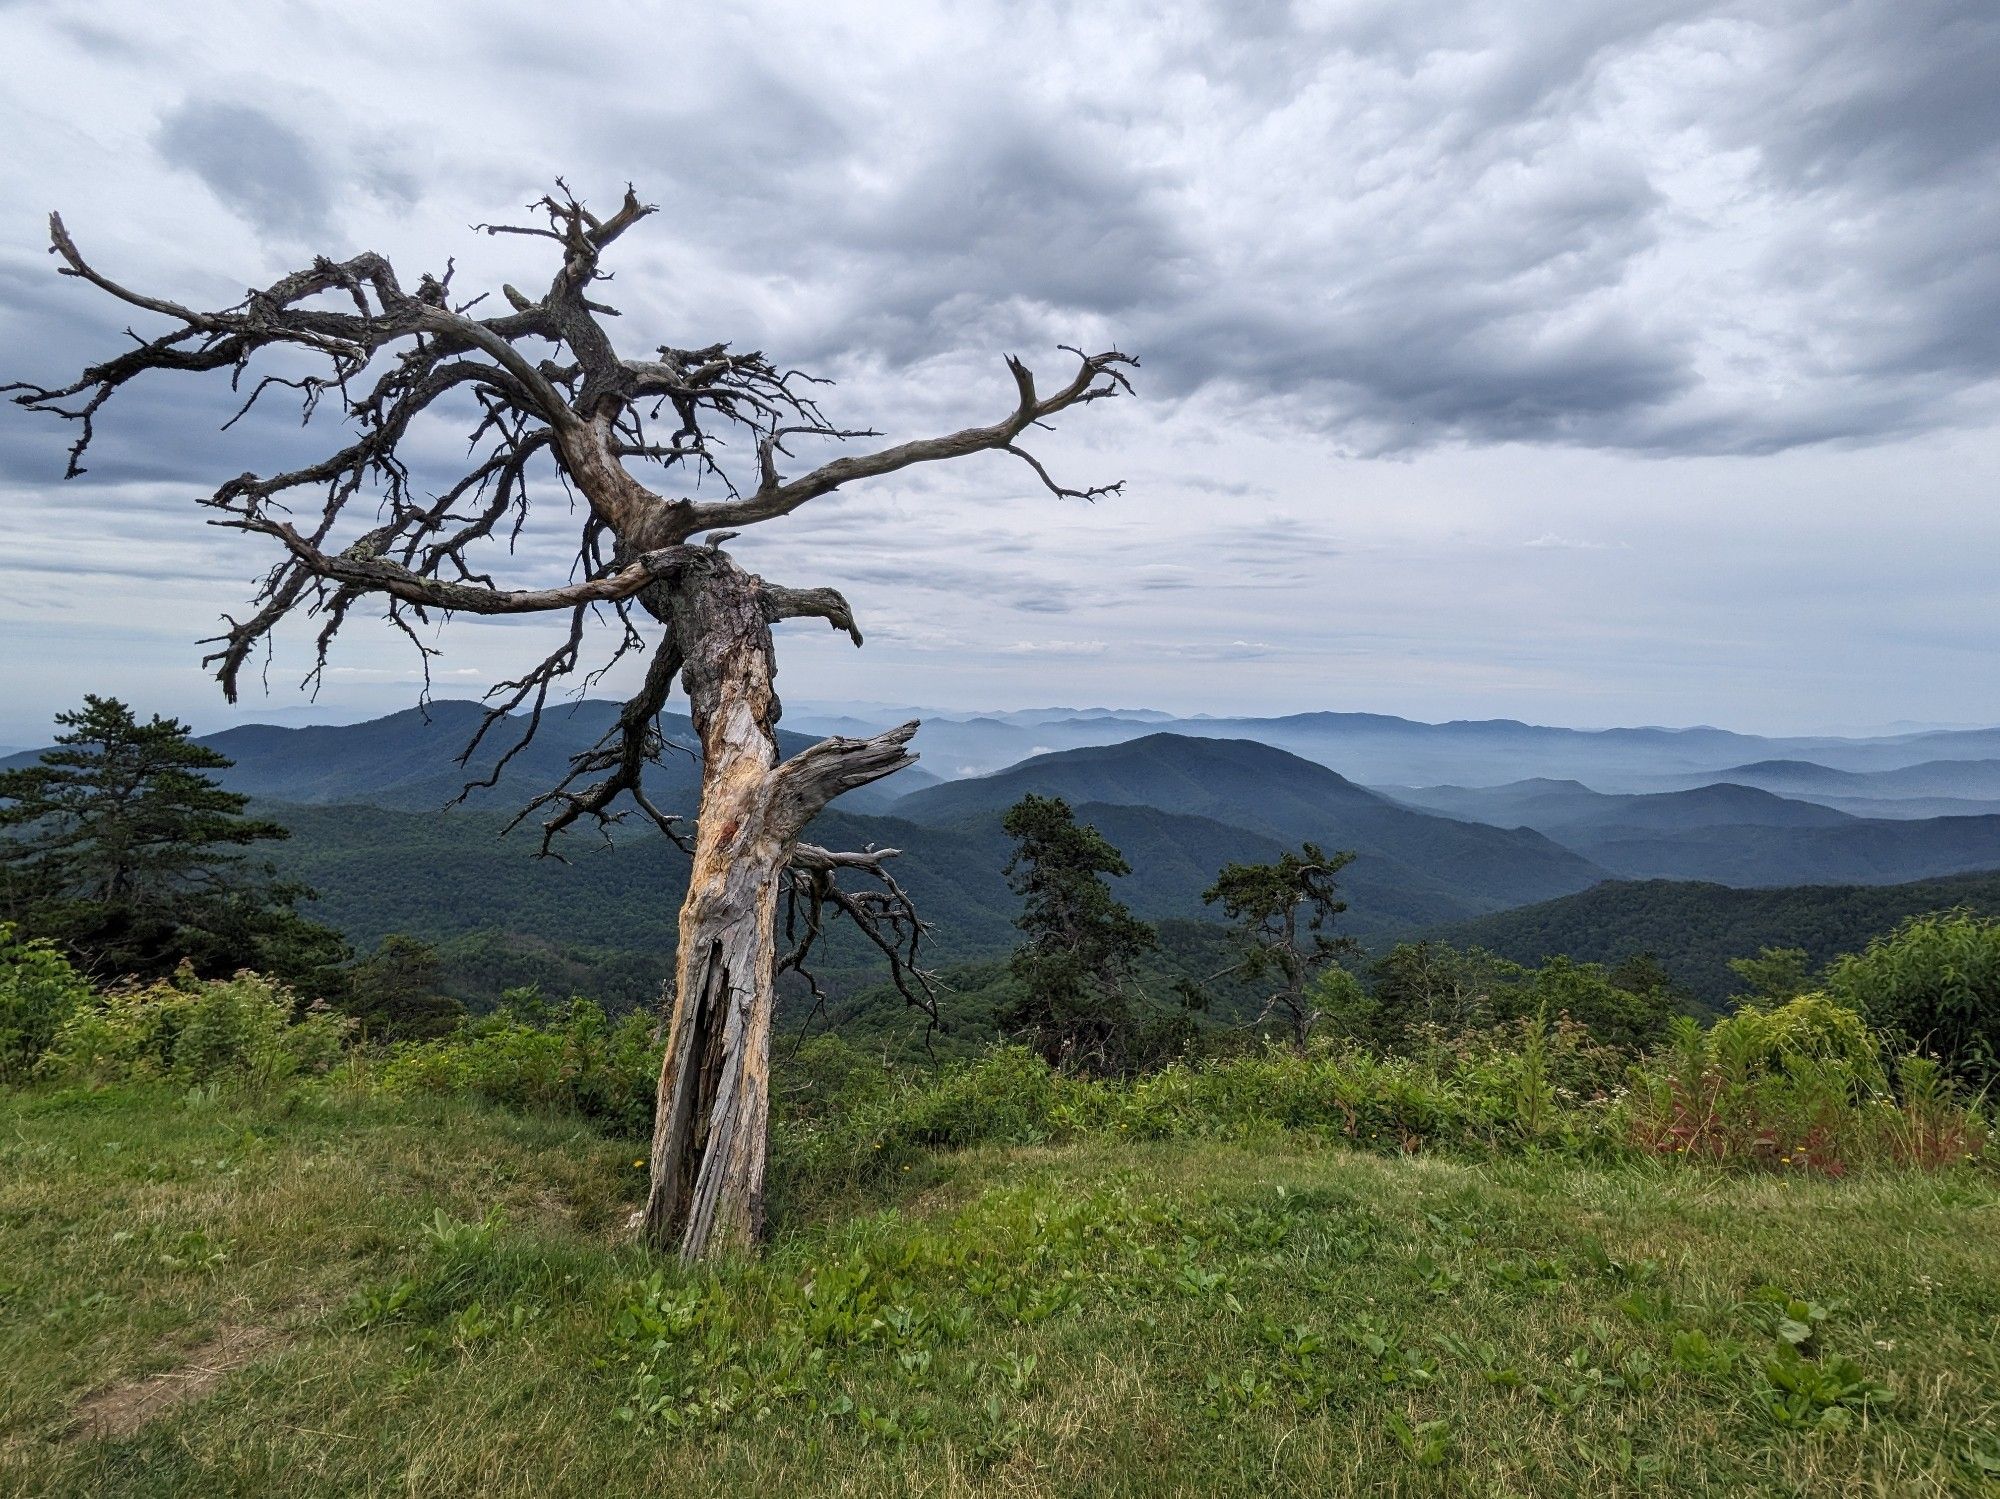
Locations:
column 1076, row 968
column 120, row 847
column 395, row 992
column 1281, row 911
column 1775, row 975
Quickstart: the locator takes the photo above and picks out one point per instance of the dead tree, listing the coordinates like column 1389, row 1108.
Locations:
column 544, row 389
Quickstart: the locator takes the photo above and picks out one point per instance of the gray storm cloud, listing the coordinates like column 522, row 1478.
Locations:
column 1454, row 318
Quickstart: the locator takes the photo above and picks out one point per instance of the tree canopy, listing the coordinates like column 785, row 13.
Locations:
column 119, row 845
column 1281, row 910
column 1077, row 967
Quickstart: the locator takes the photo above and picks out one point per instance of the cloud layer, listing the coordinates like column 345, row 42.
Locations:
column 1451, row 315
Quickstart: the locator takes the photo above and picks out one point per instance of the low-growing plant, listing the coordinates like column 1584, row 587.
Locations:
column 1800, row 1086
column 573, row 1060
column 1932, row 985
column 246, row 1029
column 39, row 990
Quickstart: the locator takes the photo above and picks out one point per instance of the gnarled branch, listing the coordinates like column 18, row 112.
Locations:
column 883, row 913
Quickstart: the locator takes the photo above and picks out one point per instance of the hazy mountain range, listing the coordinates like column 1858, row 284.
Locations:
column 1376, row 749
column 1449, row 836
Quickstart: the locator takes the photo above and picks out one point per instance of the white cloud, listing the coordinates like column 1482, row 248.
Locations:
column 1714, row 279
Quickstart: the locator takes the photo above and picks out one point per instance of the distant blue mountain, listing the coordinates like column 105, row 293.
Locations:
column 408, row 760
column 1266, row 790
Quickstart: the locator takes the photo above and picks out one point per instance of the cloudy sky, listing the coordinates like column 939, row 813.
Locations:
column 1611, row 363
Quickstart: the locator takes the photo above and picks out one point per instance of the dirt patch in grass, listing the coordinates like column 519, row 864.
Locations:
column 124, row 1408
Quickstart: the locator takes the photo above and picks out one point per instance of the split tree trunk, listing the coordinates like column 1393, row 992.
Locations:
column 713, row 1110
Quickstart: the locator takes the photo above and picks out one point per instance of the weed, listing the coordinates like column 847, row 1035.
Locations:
column 1428, row 1444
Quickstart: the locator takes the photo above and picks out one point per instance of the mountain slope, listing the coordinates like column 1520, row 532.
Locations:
column 1380, row 748
column 1254, row 786
column 1695, row 928
column 1965, row 779
column 1862, row 851
column 439, row 874
column 1562, row 809
column 1737, row 835
column 408, row 760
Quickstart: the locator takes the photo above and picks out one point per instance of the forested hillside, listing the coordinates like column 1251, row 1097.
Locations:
column 603, row 919
column 1695, row 928
column 1256, row 786
column 1509, row 867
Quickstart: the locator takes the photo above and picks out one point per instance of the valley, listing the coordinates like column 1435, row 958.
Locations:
column 1694, row 845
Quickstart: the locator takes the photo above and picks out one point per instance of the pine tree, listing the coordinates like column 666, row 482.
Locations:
column 1077, row 968
column 120, row 846
column 1281, row 911
column 396, row 992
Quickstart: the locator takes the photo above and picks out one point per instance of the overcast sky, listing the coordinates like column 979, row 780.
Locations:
column 1582, row 363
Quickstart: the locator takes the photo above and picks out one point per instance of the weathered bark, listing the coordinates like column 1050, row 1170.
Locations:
column 550, row 387
column 714, row 1101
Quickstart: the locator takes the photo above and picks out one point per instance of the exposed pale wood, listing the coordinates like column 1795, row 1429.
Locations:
column 709, row 1129
column 551, row 388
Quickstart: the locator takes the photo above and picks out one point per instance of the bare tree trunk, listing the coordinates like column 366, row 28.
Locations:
column 405, row 356
column 709, row 1127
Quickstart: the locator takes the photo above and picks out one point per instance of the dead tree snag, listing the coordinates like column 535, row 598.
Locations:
column 544, row 389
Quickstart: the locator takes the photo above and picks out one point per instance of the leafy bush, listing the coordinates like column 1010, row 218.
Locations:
column 195, row 1031
column 1799, row 1086
column 1423, row 985
column 38, row 992
column 1932, row 985
column 1524, row 1082
column 574, row 1060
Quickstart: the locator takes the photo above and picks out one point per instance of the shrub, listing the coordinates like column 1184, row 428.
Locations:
column 576, row 1061
column 1806, row 1037
column 1424, row 985
column 189, row 1030
column 1522, row 1082
column 39, row 990
column 1932, row 985
column 1799, row 1086
column 1629, row 1007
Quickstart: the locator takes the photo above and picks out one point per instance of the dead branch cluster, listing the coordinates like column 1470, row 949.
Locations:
column 660, row 448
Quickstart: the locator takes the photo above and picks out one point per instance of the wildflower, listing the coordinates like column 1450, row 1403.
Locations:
column 638, row 1163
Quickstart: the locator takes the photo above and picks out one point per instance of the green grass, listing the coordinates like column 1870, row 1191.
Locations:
column 451, row 1309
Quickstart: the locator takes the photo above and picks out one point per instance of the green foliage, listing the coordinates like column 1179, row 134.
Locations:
column 1798, row 1039
column 1347, row 1011
column 119, row 845
column 1077, row 965
column 1775, row 975
column 527, row 1058
column 394, row 992
column 1629, row 1006
column 246, row 1029
column 1431, row 984
column 471, row 1284
column 1698, row 930
column 1933, row 984
column 1089, row 1314
column 39, row 990
column 1284, row 958
column 1798, row 1087
column 1524, row 1084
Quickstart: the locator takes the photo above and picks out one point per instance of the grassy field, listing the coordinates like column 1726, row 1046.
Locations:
column 365, row 1297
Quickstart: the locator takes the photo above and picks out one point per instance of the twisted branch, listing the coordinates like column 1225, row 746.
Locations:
column 539, row 386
